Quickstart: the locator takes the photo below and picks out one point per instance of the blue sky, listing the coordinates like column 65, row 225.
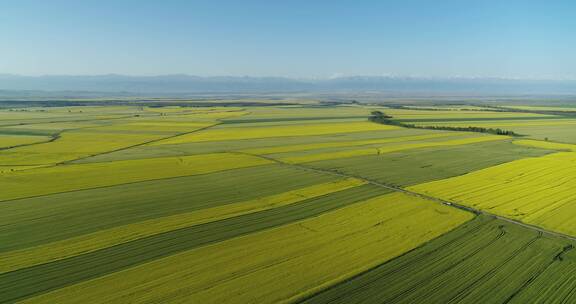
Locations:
column 313, row 38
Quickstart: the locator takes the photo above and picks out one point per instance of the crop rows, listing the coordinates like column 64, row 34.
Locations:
column 49, row 180
column 45, row 219
column 312, row 157
column 277, row 131
column 285, row 263
column 423, row 165
column 45, row 277
column 276, row 204
column 483, row 261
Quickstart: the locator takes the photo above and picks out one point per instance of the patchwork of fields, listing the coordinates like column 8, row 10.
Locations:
column 483, row 261
column 280, row 204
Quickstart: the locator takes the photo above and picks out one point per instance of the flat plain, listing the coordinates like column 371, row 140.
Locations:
column 267, row 203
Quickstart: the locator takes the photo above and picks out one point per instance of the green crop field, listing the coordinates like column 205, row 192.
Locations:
column 272, row 203
column 483, row 261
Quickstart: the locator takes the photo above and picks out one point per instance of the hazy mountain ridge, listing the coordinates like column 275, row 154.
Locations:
column 197, row 84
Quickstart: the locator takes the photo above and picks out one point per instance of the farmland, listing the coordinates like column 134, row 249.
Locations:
column 265, row 203
column 483, row 261
column 536, row 123
column 536, row 191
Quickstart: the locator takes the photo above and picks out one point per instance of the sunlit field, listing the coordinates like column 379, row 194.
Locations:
column 303, row 203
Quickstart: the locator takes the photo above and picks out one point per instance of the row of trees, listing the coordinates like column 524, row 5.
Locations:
column 381, row 117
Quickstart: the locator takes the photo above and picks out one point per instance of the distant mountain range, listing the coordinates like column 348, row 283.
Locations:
column 229, row 84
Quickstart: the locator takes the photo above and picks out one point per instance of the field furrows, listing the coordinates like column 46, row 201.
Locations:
column 486, row 261
column 41, row 278
column 299, row 203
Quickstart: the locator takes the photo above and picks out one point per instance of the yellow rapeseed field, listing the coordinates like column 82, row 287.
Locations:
column 63, row 178
column 388, row 149
column 285, row 263
column 276, row 131
column 105, row 238
column 539, row 191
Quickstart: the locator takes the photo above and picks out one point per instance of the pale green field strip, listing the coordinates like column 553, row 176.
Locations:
column 17, row 117
column 147, row 151
column 262, row 114
column 28, row 131
column 462, row 107
column 546, row 145
column 539, row 191
column 483, row 261
column 24, row 283
column 304, row 147
column 156, row 126
column 384, row 146
column 106, row 238
column 267, row 267
column 58, row 126
column 276, row 131
column 558, row 130
column 191, row 110
column 458, row 117
column 65, row 178
column 273, row 123
column 505, row 123
column 61, row 119
column 563, row 134
column 8, row 141
column 235, row 123
column 544, row 108
column 389, row 149
column 420, row 115
column 6, row 115
column 412, row 167
column 50, row 218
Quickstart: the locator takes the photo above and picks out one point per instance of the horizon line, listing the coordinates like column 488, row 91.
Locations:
column 307, row 78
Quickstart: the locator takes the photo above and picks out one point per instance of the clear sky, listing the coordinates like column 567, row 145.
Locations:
column 309, row 38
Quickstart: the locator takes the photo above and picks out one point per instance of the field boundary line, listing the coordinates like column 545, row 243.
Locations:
column 419, row 195
column 128, row 183
column 137, row 145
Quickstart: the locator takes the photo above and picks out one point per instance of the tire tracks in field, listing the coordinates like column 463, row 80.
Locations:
column 557, row 257
column 447, row 269
column 397, row 268
column 489, row 274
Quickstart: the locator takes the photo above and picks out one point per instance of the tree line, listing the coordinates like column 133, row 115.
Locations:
column 381, row 117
